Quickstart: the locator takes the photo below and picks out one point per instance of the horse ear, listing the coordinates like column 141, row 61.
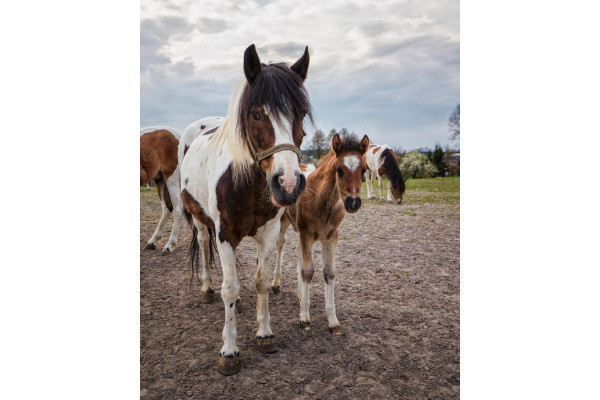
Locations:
column 252, row 65
column 364, row 144
column 301, row 66
column 336, row 143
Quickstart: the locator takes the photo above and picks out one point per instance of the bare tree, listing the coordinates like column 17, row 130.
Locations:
column 454, row 123
column 318, row 144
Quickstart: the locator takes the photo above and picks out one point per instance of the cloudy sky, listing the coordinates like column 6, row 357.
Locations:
column 389, row 69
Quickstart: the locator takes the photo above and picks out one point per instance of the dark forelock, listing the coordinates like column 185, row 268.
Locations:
column 278, row 88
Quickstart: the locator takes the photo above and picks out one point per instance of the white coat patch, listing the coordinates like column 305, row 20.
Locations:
column 351, row 162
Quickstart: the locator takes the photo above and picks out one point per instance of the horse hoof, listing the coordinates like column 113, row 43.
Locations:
column 274, row 290
column 239, row 306
column 150, row 246
column 207, row 297
column 305, row 325
column 266, row 345
column 336, row 330
column 166, row 252
column 229, row 365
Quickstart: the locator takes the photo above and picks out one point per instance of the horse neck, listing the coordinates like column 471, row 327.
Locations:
column 326, row 190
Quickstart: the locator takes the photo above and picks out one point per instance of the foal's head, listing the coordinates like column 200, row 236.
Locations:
column 350, row 166
column 272, row 110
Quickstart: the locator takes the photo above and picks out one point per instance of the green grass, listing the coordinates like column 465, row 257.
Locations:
column 423, row 191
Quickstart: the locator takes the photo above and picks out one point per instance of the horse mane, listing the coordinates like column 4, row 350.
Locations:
column 390, row 164
column 277, row 88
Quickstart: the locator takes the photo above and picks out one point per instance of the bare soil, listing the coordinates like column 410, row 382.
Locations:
column 397, row 299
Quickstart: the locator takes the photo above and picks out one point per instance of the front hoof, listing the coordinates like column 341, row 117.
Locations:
column 305, row 325
column 274, row 290
column 166, row 252
column 389, row 201
column 229, row 365
column 266, row 345
column 239, row 306
column 207, row 297
column 336, row 330
column 150, row 246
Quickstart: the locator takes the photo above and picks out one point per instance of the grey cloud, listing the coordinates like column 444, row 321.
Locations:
column 212, row 25
column 281, row 52
column 155, row 34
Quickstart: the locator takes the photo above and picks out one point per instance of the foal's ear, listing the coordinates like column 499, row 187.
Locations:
column 364, row 144
column 336, row 143
column 252, row 65
column 301, row 66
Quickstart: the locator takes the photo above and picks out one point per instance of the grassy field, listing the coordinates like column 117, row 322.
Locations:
column 421, row 191
column 418, row 191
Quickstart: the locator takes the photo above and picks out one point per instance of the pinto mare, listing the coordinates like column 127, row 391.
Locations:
column 331, row 190
column 204, row 126
column 381, row 161
column 235, row 181
column 158, row 163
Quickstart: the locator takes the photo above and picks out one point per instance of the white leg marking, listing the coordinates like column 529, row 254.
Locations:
column 389, row 191
column 230, row 290
column 163, row 219
column 174, row 192
column 280, row 243
column 380, row 180
column 329, row 273
column 305, row 271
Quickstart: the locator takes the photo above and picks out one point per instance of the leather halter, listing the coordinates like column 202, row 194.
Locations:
column 258, row 157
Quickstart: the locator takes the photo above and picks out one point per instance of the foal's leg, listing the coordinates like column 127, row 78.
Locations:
column 174, row 192
column 275, row 285
column 305, row 274
column 160, row 187
column 229, row 360
column 266, row 238
column 329, row 275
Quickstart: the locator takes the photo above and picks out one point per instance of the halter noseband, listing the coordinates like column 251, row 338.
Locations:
column 258, row 157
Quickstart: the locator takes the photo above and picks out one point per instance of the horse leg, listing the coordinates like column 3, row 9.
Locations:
column 372, row 185
column 229, row 359
column 266, row 238
column 305, row 274
column 275, row 285
column 174, row 191
column 207, row 292
column 329, row 275
column 367, row 178
column 160, row 188
column 389, row 191
column 380, row 180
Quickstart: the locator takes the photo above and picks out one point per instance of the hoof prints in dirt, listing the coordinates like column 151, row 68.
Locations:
column 397, row 298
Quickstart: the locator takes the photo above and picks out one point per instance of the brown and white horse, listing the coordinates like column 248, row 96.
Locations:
column 331, row 190
column 158, row 163
column 235, row 181
column 381, row 161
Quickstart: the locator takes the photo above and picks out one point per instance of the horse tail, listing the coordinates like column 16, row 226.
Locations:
column 194, row 252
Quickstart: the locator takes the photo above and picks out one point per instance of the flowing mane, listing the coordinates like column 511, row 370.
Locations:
column 390, row 164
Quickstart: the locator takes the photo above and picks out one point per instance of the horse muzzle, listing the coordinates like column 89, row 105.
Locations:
column 352, row 204
column 286, row 188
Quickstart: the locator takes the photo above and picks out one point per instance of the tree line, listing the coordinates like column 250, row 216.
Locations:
column 420, row 163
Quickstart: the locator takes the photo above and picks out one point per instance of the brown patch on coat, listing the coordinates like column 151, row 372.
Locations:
column 193, row 207
column 381, row 171
column 244, row 207
column 158, row 153
column 376, row 149
column 303, row 167
column 185, row 149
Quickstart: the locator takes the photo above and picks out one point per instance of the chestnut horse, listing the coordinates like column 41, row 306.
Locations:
column 235, row 181
column 158, row 163
column 381, row 161
column 331, row 190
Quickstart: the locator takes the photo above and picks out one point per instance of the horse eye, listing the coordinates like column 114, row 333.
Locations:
column 256, row 116
column 340, row 171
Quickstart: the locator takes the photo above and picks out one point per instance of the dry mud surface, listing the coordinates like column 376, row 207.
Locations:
column 397, row 298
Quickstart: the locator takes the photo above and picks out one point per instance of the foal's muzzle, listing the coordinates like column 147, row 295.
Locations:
column 352, row 204
column 286, row 189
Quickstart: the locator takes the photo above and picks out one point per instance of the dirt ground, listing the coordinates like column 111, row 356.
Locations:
column 397, row 299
